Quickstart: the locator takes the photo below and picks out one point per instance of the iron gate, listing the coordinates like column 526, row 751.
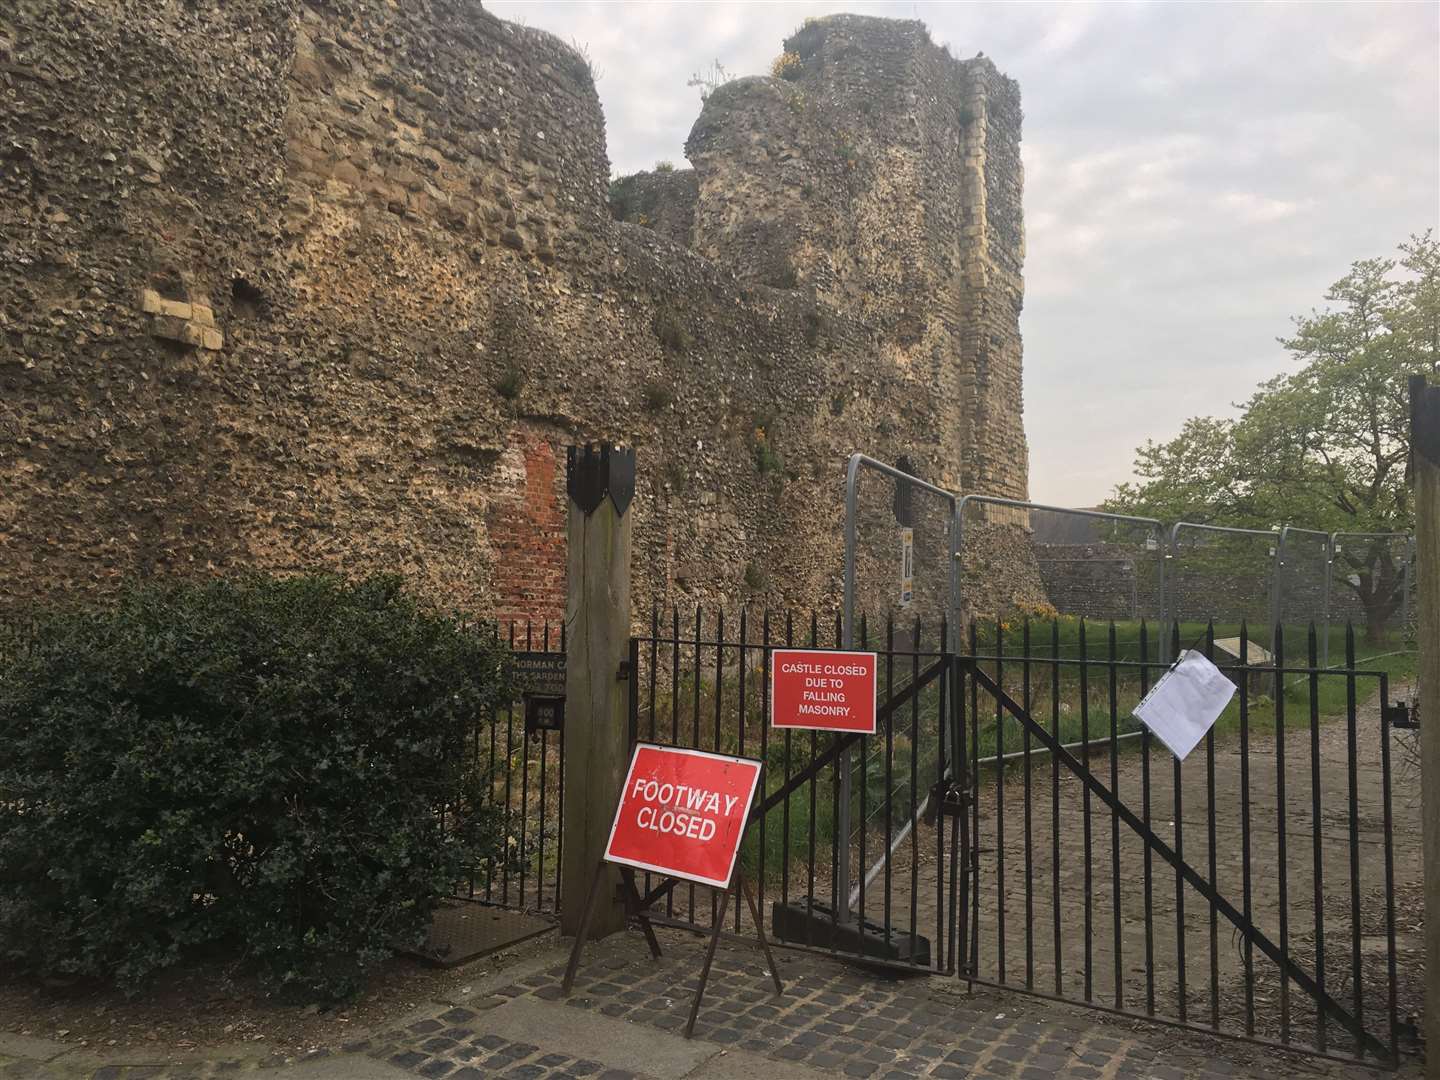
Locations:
column 703, row 682
column 1249, row 891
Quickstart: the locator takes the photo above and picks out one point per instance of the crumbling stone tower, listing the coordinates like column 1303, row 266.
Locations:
column 885, row 176
column 292, row 285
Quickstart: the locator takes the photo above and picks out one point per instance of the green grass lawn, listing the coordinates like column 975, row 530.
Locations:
column 1074, row 704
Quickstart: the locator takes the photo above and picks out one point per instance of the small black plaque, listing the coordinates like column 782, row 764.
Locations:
column 544, row 712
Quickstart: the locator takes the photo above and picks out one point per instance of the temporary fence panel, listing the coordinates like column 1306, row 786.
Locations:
column 901, row 538
column 1370, row 581
column 1089, row 563
column 889, row 513
column 1299, row 582
column 1220, row 573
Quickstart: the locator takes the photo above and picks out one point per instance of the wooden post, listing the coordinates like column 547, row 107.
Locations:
column 1425, row 473
column 600, row 482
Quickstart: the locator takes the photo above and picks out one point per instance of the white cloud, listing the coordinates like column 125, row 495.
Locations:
column 1195, row 175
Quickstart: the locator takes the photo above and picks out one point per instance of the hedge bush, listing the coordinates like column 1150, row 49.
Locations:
column 252, row 766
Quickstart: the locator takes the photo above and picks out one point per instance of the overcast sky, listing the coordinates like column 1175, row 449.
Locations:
column 1195, row 174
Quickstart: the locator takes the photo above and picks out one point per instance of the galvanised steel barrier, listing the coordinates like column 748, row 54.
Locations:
column 1287, row 560
column 906, row 484
column 1152, row 529
column 1407, row 562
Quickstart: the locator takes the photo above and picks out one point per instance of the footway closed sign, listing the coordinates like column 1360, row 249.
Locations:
column 822, row 690
column 682, row 812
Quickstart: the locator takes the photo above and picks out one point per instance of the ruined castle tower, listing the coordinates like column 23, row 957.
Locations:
column 297, row 286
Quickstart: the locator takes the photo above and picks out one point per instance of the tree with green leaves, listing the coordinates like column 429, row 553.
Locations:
column 1326, row 446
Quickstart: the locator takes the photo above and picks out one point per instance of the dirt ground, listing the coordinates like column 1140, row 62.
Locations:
column 206, row 1005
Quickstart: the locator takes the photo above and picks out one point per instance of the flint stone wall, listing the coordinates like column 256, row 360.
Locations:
column 293, row 286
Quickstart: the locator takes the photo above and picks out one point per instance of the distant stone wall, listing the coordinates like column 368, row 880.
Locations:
column 1097, row 581
column 663, row 200
column 294, row 286
column 1205, row 581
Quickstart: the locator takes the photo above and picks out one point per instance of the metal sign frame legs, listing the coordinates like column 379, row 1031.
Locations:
column 637, row 907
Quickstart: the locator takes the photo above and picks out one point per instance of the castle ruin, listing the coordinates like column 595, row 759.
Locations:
column 297, row 285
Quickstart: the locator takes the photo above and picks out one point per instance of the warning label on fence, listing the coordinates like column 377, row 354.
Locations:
column 822, row 690
column 682, row 812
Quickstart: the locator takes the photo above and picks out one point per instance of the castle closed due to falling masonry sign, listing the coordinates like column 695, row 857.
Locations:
column 822, row 690
column 682, row 812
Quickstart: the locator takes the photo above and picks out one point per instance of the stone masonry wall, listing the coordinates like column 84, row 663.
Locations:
column 1099, row 581
column 294, row 286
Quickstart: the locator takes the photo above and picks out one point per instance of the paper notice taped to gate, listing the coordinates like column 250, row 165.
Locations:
column 1184, row 704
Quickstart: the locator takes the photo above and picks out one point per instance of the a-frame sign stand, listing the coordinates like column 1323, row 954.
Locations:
column 638, row 906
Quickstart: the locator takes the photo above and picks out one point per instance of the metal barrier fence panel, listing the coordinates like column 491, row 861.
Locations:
column 901, row 563
column 1299, row 578
column 1220, row 573
column 1371, row 583
column 886, row 506
column 996, row 561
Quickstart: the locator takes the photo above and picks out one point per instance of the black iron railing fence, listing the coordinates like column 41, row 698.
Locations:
column 522, row 770
column 1249, row 890
column 1277, row 833
column 703, row 682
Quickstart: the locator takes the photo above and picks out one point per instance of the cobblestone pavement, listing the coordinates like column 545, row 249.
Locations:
column 832, row 1020
column 858, row 1023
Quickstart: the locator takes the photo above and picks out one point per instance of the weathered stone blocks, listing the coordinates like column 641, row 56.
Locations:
column 396, row 222
column 181, row 321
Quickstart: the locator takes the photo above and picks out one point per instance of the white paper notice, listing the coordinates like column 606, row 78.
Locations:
column 1184, row 704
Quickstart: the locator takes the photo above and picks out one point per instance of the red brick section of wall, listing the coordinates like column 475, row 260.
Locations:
column 527, row 533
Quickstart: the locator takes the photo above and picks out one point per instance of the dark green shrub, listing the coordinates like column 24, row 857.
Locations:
column 251, row 766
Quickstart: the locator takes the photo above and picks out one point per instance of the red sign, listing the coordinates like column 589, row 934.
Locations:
column 822, row 690
column 683, row 812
